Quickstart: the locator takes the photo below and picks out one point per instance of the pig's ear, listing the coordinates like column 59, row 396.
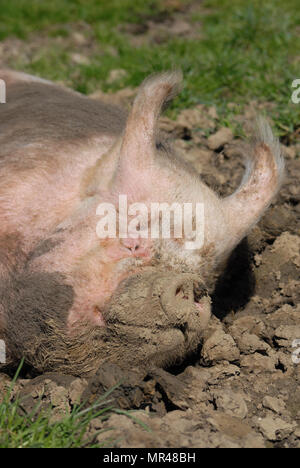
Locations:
column 138, row 142
column 262, row 180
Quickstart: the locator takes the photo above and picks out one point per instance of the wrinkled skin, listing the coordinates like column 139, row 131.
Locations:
column 70, row 300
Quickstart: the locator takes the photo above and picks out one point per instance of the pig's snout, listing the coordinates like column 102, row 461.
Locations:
column 159, row 314
column 182, row 299
column 161, row 300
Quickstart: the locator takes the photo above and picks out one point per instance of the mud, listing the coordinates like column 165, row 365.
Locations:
column 241, row 387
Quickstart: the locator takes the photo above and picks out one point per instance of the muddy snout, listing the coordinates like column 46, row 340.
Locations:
column 161, row 300
column 181, row 297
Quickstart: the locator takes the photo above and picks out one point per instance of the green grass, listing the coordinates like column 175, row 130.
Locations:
column 247, row 51
column 20, row 429
column 33, row 430
column 20, row 17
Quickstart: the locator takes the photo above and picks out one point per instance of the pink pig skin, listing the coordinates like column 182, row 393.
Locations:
column 62, row 154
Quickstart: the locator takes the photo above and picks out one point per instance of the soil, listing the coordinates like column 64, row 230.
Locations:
column 241, row 388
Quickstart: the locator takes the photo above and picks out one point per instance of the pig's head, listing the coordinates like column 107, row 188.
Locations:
column 136, row 298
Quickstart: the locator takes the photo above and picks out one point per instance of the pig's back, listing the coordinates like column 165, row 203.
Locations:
column 38, row 113
column 48, row 137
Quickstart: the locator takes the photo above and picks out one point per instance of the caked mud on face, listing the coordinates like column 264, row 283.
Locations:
column 153, row 319
column 173, row 310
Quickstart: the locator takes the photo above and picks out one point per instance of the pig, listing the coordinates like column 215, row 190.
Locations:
column 70, row 300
